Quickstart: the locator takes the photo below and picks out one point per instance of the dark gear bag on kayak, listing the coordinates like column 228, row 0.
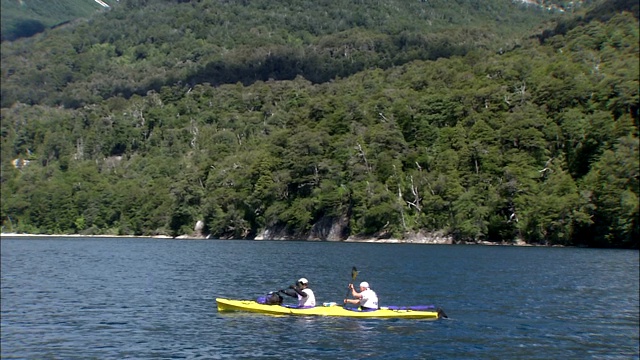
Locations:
column 272, row 298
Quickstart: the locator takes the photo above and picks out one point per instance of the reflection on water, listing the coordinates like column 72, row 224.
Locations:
column 144, row 298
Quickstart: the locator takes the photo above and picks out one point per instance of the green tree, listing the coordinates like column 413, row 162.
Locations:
column 614, row 186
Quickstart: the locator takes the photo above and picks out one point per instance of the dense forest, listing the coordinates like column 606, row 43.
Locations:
column 482, row 121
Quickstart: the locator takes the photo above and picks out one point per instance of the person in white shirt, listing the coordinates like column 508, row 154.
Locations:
column 366, row 298
column 306, row 297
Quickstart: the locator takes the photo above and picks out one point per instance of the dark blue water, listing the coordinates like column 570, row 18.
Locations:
column 75, row 298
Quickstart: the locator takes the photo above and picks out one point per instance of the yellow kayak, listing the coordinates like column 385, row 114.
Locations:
column 329, row 309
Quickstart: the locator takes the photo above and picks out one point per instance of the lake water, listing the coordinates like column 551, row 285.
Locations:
column 100, row 298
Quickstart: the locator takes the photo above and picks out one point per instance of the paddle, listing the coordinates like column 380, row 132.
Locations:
column 354, row 273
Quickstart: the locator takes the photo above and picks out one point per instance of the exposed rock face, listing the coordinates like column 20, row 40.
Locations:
column 330, row 229
column 409, row 238
column 437, row 237
column 197, row 232
column 198, row 228
column 336, row 229
column 273, row 233
column 327, row 229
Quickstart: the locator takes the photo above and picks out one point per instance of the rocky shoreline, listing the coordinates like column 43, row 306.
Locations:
column 431, row 239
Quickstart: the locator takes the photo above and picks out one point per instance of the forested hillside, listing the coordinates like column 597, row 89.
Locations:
column 146, row 44
column 25, row 18
column 323, row 120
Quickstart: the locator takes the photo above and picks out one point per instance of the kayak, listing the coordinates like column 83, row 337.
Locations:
column 331, row 309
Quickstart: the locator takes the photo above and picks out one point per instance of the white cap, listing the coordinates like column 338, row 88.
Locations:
column 364, row 284
column 303, row 281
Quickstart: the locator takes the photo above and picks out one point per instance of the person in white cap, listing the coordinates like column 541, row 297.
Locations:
column 367, row 298
column 306, row 298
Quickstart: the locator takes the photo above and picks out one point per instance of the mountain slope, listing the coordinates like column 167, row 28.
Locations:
column 143, row 45
column 537, row 142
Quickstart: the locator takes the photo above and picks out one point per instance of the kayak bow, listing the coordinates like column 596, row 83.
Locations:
column 330, row 310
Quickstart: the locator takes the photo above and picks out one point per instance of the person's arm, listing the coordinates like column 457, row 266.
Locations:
column 354, row 293
column 298, row 291
column 289, row 292
column 351, row 301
